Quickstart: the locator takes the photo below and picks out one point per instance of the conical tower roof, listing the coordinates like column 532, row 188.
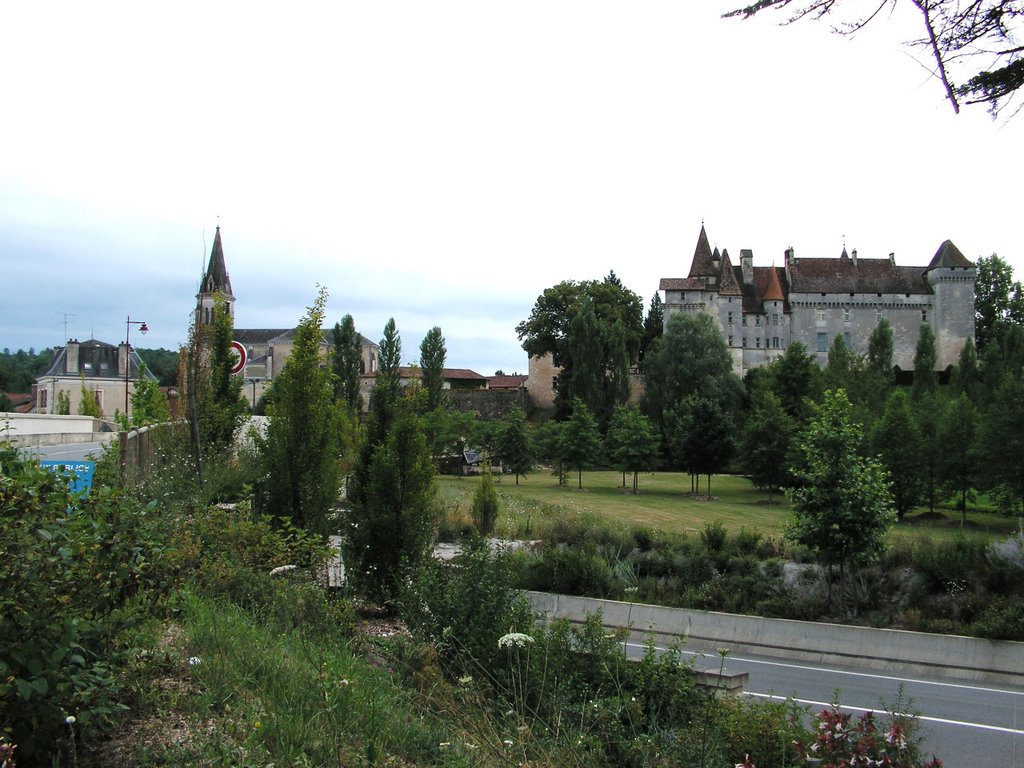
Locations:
column 728, row 285
column 774, row 290
column 216, row 277
column 703, row 262
column 949, row 255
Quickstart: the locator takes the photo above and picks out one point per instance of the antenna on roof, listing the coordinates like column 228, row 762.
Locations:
column 65, row 321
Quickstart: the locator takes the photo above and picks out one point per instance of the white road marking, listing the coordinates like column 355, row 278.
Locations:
column 870, row 675
column 925, row 718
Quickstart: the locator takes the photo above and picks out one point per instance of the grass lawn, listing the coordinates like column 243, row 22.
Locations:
column 665, row 504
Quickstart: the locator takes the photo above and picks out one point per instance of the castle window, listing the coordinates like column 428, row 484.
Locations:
column 775, row 342
column 744, row 342
column 730, row 316
column 744, row 321
column 757, row 321
column 758, row 342
column 846, row 314
column 924, row 315
column 775, row 319
column 846, row 340
column 821, row 315
column 730, row 341
column 878, row 314
column 823, row 342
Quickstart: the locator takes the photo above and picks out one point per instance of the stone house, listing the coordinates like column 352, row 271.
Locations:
column 96, row 366
column 762, row 310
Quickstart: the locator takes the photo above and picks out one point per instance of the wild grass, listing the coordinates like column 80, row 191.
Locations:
column 666, row 506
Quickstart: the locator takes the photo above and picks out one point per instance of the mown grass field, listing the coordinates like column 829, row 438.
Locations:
column 666, row 505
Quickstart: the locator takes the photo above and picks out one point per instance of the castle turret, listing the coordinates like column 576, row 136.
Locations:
column 951, row 277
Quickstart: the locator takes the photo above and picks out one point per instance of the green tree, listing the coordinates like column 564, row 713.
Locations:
column 897, row 443
column 839, row 370
column 925, row 359
column 958, row 462
column 162, row 363
column 432, row 359
column 548, row 443
column 299, row 451
column 514, row 444
column 485, row 503
column 765, row 443
column 1002, row 442
column 690, row 359
column 149, row 404
column 581, row 439
column 89, row 405
column 345, row 362
column 998, row 300
column 880, row 346
column 927, row 416
column 796, row 379
column 700, row 437
column 966, row 378
column 632, row 443
column 956, row 36
column 547, row 331
column 654, row 324
column 6, row 406
column 843, row 505
column 388, row 528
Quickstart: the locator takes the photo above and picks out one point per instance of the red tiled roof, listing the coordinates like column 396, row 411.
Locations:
column 506, row 382
column 773, row 292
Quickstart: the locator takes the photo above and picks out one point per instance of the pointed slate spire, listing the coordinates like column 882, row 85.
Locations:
column 216, row 277
column 949, row 255
column 728, row 285
column 702, row 264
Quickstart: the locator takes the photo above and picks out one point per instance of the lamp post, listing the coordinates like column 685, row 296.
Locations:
column 128, row 355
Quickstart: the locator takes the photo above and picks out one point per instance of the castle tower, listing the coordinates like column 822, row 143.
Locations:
column 215, row 282
column 951, row 276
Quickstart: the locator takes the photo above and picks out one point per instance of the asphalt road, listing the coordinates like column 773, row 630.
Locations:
column 963, row 724
column 70, row 452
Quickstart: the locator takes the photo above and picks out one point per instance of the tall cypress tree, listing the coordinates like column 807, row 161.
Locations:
column 346, row 363
column 432, row 360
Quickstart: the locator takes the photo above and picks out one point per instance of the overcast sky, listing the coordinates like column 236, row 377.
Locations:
column 443, row 163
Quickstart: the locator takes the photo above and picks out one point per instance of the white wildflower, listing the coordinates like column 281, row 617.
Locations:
column 517, row 639
column 70, row 720
column 194, row 661
column 283, row 569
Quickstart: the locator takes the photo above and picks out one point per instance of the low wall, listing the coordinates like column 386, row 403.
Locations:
column 968, row 658
column 21, row 426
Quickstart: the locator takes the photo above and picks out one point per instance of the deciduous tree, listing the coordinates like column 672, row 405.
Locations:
column 897, row 443
column 515, row 448
column 843, row 505
column 581, row 439
column 632, row 443
column 765, row 442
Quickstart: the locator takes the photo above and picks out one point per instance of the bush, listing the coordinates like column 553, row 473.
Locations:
column 74, row 573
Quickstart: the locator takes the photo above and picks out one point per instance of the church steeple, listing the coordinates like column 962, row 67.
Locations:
column 215, row 282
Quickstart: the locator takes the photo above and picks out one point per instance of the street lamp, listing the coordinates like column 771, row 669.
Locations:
column 128, row 355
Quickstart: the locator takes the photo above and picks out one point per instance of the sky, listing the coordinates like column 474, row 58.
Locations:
column 442, row 163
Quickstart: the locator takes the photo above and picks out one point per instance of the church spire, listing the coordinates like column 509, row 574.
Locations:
column 215, row 282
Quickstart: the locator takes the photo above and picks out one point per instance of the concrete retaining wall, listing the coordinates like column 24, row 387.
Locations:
column 23, row 426
column 967, row 658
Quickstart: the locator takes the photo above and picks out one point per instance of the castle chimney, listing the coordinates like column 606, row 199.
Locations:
column 892, row 259
column 853, row 257
column 747, row 265
column 71, row 356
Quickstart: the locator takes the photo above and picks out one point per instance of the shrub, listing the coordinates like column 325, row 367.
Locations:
column 485, row 503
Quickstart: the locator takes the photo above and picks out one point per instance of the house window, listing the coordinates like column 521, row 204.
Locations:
column 846, row 314
column 99, row 398
column 823, row 342
column 821, row 315
column 775, row 342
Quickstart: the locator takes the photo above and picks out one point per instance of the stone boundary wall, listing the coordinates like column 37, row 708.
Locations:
column 967, row 658
column 487, row 403
column 24, row 428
